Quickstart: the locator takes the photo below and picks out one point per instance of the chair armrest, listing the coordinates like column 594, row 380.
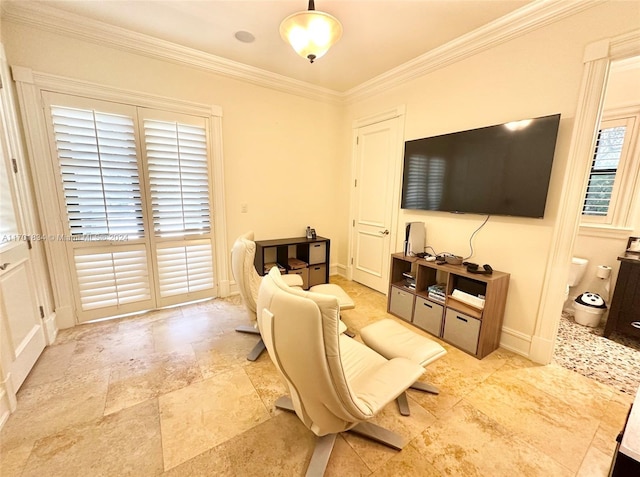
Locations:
column 292, row 280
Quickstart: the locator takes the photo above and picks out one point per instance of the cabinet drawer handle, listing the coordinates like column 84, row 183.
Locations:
column 316, row 268
column 462, row 319
column 4, row 266
column 427, row 305
column 316, row 245
column 636, row 324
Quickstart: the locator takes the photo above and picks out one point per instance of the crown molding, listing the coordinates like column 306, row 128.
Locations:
column 517, row 23
column 51, row 19
column 526, row 19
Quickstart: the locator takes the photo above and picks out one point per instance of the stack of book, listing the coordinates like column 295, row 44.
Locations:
column 437, row 292
column 409, row 281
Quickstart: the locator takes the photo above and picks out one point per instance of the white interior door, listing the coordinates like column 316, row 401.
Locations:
column 377, row 153
column 22, row 337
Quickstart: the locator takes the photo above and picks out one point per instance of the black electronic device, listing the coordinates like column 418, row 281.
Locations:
column 475, row 268
column 498, row 170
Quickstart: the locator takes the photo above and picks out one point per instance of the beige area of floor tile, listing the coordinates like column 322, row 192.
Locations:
column 595, row 464
column 375, row 455
column 122, row 444
column 205, row 414
column 267, row 381
column 465, row 442
column 612, row 422
column 556, row 428
column 95, row 351
column 13, row 460
column 456, row 374
column 566, row 385
column 139, row 379
column 51, row 407
column 52, row 364
column 173, row 333
column 223, row 352
column 281, row 446
column 408, row 463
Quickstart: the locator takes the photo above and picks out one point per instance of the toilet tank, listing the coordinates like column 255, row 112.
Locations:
column 577, row 270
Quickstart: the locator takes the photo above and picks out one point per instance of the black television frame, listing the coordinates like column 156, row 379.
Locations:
column 503, row 169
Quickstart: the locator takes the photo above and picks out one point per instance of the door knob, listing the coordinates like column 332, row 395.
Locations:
column 386, row 232
column 4, row 266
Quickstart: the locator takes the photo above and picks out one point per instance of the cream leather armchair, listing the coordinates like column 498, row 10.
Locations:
column 248, row 281
column 335, row 383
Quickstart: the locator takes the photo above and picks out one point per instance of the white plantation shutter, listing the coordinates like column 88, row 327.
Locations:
column 134, row 184
column 98, row 165
column 176, row 156
column 112, row 279
column 185, row 269
column 611, row 155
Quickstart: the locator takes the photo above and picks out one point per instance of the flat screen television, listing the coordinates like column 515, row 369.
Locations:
column 497, row 170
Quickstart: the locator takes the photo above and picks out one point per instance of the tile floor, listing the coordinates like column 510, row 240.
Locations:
column 171, row 393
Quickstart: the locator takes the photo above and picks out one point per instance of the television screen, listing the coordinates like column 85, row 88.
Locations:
column 497, row 170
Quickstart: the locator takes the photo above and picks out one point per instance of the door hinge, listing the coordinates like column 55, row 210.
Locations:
column 355, row 183
column 42, row 312
column 351, row 260
column 29, row 243
column 357, row 140
column 354, row 223
column 15, row 166
column 1, row 83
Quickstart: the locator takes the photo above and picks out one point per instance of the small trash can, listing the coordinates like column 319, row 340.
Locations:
column 588, row 309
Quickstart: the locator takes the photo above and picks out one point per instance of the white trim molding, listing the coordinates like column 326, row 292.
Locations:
column 532, row 16
column 598, row 57
column 29, row 86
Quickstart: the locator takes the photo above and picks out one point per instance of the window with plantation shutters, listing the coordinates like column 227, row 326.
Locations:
column 176, row 156
column 98, row 165
column 134, row 186
column 606, row 199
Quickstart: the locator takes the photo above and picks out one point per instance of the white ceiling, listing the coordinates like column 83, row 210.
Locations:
column 378, row 35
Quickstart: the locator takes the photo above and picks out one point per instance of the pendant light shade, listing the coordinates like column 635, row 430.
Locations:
column 311, row 33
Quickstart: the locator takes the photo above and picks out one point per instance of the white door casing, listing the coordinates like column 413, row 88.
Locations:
column 22, row 336
column 377, row 154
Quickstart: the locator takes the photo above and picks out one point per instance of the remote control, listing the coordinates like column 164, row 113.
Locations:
column 487, row 268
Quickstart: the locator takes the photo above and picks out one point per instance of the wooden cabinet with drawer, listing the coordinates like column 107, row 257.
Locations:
column 421, row 293
column 314, row 252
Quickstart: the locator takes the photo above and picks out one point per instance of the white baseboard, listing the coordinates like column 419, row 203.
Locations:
column 8, row 401
column 515, row 341
column 50, row 328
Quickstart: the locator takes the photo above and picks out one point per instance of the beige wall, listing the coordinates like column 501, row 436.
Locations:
column 289, row 158
column 537, row 74
column 281, row 152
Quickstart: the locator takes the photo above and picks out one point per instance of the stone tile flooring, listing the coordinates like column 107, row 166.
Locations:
column 171, row 393
column 614, row 361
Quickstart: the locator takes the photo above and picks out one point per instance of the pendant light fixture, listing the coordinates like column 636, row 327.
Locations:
column 311, row 33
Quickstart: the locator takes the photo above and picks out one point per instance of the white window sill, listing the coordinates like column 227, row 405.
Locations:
column 604, row 231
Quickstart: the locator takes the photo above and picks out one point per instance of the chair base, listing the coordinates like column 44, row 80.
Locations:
column 403, row 402
column 324, row 444
column 248, row 329
column 259, row 347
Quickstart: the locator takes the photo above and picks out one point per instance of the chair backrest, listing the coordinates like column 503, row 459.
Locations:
column 244, row 272
column 301, row 332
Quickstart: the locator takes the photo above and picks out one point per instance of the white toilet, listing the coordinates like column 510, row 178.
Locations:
column 576, row 272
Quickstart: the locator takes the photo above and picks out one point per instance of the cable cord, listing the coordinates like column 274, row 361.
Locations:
column 473, row 235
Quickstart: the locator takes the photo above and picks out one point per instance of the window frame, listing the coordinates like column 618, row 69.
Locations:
column 618, row 218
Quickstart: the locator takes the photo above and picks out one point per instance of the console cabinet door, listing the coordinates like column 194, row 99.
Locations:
column 461, row 331
column 428, row 316
column 401, row 303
